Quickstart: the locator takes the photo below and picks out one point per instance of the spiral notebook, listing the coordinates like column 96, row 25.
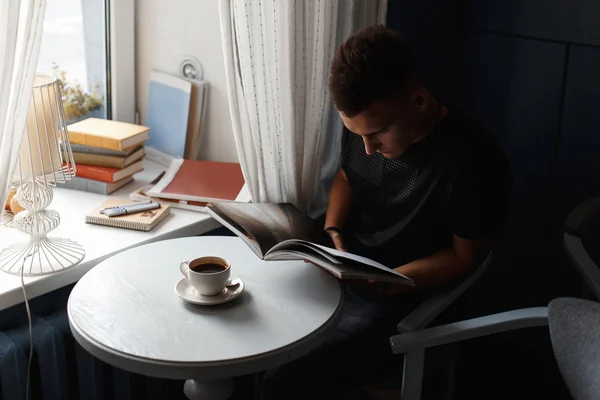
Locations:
column 143, row 221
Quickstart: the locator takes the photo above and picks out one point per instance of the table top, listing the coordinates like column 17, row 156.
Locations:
column 126, row 312
column 98, row 241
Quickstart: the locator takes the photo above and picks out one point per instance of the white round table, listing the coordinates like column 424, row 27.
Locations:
column 125, row 312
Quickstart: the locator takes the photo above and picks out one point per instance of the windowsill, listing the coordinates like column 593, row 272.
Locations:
column 73, row 206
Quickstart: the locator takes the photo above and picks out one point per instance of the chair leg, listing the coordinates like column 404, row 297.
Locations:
column 412, row 375
column 451, row 372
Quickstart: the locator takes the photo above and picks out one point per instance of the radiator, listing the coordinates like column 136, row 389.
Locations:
column 61, row 369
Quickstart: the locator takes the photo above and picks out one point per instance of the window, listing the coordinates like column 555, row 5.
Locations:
column 89, row 46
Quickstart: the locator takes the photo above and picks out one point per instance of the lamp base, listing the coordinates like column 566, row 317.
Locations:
column 41, row 256
column 6, row 218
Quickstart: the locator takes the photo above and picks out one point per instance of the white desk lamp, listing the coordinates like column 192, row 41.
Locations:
column 45, row 158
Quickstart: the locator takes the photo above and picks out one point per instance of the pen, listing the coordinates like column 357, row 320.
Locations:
column 103, row 210
column 131, row 209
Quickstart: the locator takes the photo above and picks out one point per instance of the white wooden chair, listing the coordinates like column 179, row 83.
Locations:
column 420, row 318
column 414, row 323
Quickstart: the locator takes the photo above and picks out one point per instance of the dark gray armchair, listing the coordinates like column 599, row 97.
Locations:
column 574, row 327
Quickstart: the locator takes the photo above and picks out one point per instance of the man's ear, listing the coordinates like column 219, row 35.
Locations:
column 421, row 98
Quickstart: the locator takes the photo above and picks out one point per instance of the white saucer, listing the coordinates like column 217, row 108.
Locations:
column 187, row 292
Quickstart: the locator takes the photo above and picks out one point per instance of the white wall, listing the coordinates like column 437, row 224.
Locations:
column 167, row 31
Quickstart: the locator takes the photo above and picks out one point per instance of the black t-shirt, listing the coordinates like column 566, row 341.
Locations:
column 456, row 181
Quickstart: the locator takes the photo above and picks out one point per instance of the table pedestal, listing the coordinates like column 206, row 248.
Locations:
column 221, row 389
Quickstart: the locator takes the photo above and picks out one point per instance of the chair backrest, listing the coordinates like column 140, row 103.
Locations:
column 583, row 219
column 575, row 333
column 434, row 305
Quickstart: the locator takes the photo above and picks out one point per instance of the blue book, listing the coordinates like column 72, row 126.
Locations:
column 168, row 113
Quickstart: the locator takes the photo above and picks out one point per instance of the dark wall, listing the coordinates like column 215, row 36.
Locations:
column 528, row 70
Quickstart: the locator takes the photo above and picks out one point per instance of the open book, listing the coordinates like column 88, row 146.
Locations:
column 280, row 231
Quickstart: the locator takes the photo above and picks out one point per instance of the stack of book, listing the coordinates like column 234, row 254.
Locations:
column 107, row 154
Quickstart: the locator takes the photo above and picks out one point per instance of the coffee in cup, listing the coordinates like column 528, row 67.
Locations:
column 208, row 268
column 208, row 275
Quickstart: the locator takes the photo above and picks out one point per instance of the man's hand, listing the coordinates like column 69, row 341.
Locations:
column 338, row 209
column 337, row 240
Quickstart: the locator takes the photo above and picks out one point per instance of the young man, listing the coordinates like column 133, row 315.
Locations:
column 423, row 189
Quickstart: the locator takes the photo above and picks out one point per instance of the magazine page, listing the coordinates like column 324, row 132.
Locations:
column 354, row 258
column 342, row 271
column 269, row 223
column 235, row 228
column 300, row 245
column 333, row 255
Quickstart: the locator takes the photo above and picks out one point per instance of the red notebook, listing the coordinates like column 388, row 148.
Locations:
column 107, row 174
column 199, row 181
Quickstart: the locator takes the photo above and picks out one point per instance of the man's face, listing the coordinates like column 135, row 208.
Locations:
column 386, row 127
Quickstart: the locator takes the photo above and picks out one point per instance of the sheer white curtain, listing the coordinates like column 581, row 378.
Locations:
column 277, row 57
column 21, row 24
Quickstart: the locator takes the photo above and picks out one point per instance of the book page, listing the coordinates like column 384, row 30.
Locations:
column 360, row 260
column 270, row 223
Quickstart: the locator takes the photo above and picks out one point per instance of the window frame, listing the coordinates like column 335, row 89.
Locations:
column 120, row 60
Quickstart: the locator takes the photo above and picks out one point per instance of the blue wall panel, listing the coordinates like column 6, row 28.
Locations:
column 579, row 157
column 514, row 88
column 528, row 70
column 560, row 20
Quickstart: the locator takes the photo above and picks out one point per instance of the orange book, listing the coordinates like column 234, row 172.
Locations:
column 107, row 134
column 107, row 174
column 199, row 181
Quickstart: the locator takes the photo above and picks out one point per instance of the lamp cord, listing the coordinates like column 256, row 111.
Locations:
column 30, row 328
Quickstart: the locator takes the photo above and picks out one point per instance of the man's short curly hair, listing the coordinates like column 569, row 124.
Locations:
column 373, row 64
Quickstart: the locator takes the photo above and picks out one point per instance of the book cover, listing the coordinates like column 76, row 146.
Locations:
column 196, row 120
column 92, row 186
column 107, row 174
column 80, row 148
column 168, row 113
column 143, row 221
column 141, row 194
column 268, row 224
column 199, row 181
column 107, row 134
column 182, row 204
column 104, row 160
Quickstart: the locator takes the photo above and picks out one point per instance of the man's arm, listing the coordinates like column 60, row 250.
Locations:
column 445, row 266
column 479, row 205
column 340, row 205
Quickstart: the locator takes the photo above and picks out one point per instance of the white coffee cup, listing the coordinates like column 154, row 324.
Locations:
column 208, row 275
